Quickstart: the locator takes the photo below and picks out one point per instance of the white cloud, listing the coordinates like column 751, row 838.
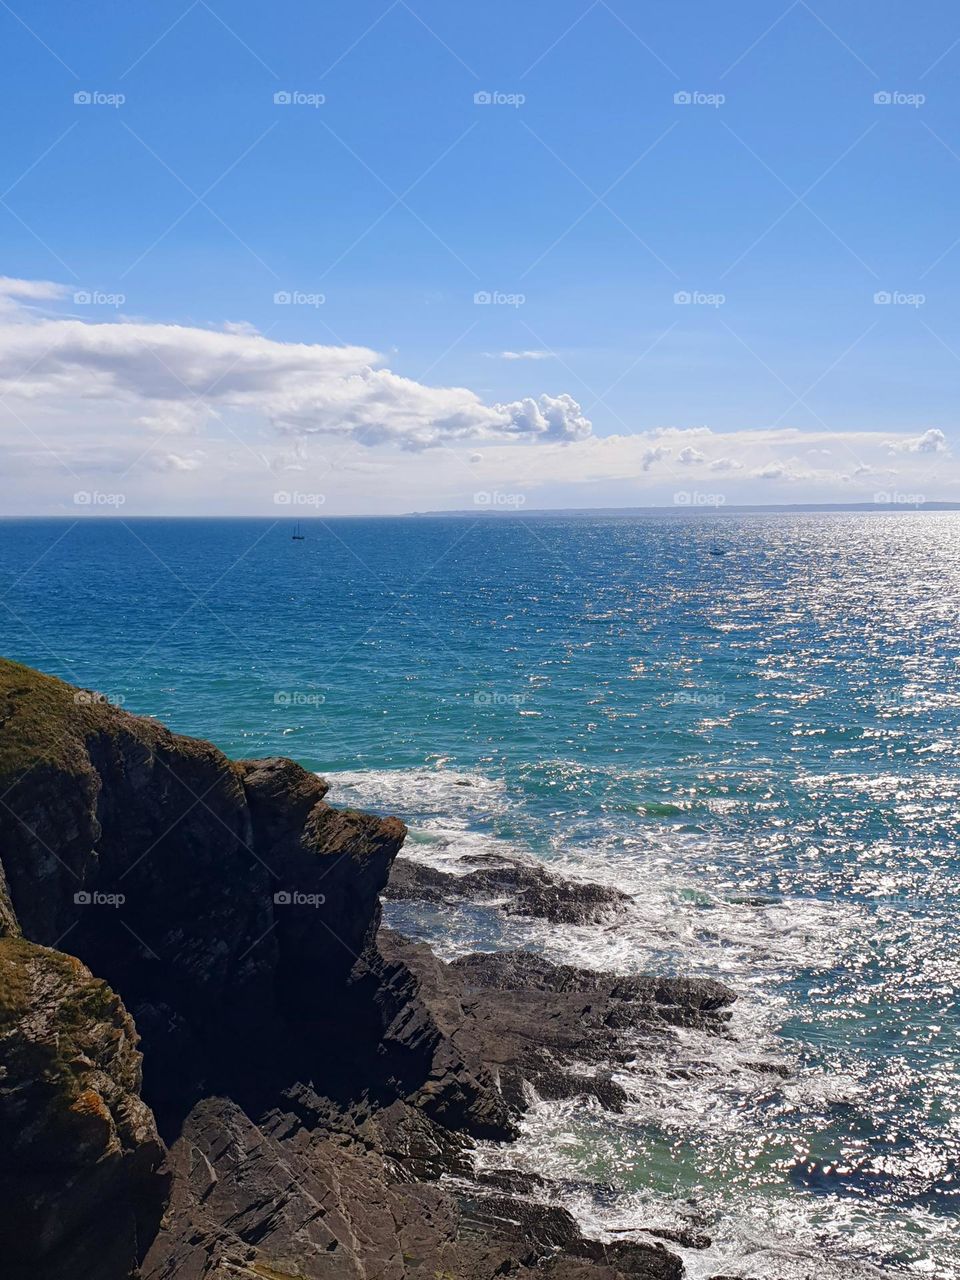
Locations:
column 519, row 355
column 932, row 441
column 32, row 290
column 771, row 471
column 298, row 388
column 206, row 420
column 656, row 453
column 174, row 419
column 177, row 462
column 689, row 456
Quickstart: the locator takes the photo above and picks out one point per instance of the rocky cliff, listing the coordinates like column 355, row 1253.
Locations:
column 211, row 1064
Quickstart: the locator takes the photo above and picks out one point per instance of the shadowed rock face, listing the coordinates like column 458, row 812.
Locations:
column 310, row 1083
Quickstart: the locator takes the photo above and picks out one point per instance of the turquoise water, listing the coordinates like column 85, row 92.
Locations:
column 762, row 746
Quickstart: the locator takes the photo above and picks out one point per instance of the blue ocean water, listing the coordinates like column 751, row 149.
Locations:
column 760, row 745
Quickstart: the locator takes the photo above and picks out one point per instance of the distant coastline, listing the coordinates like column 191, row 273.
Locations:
column 733, row 508
column 514, row 512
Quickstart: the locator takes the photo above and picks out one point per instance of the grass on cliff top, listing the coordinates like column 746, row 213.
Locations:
column 81, row 996
column 41, row 719
column 46, row 721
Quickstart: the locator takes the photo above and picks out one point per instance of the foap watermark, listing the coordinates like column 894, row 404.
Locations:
column 94, row 898
column 294, row 898
column 94, row 698
column 693, row 498
column 694, row 298
column 97, row 98
column 96, row 298
column 297, row 698
column 893, row 497
column 94, row 498
column 298, row 298
column 495, row 98
column 692, row 698
column 494, row 498
column 499, row 699
column 694, row 98
column 297, row 98
column 496, row 298
column 295, row 498
column 895, row 98
column 895, row 298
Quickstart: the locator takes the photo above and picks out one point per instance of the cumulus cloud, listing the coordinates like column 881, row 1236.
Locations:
column 689, row 456
column 789, row 469
column 932, row 441
column 726, row 464
column 164, row 371
column 656, row 453
column 549, row 418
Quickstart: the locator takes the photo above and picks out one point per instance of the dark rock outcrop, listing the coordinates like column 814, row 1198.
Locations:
column 311, row 1081
column 515, row 888
column 533, row 1023
column 80, row 1190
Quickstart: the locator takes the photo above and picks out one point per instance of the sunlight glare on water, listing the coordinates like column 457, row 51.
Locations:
column 761, row 747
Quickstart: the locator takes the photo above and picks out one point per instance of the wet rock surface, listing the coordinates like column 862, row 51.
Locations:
column 553, row 1027
column 515, row 888
column 311, row 1089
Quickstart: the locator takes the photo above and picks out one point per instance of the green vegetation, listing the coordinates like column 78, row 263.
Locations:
column 40, row 719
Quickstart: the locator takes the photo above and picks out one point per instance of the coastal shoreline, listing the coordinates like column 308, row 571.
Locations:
column 312, row 1086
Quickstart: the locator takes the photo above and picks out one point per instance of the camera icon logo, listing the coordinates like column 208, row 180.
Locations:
column 683, row 98
column 883, row 99
column 282, row 898
column 282, row 98
column 483, row 98
column 682, row 298
column 82, row 98
column 883, row 298
column 282, row 298
column 482, row 298
column 82, row 898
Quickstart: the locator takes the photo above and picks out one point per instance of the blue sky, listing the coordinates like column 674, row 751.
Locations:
column 782, row 200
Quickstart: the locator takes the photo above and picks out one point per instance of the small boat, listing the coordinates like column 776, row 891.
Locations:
column 297, row 536
column 717, row 551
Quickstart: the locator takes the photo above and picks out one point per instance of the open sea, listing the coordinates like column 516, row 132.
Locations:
column 761, row 745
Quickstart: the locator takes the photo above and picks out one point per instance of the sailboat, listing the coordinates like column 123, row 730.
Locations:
column 297, row 536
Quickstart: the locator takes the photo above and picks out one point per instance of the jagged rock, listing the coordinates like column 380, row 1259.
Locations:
column 313, row 1080
column 284, row 1198
column 218, row 911
column 515, row 888
column 80, row 1194
column 530, row 1022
